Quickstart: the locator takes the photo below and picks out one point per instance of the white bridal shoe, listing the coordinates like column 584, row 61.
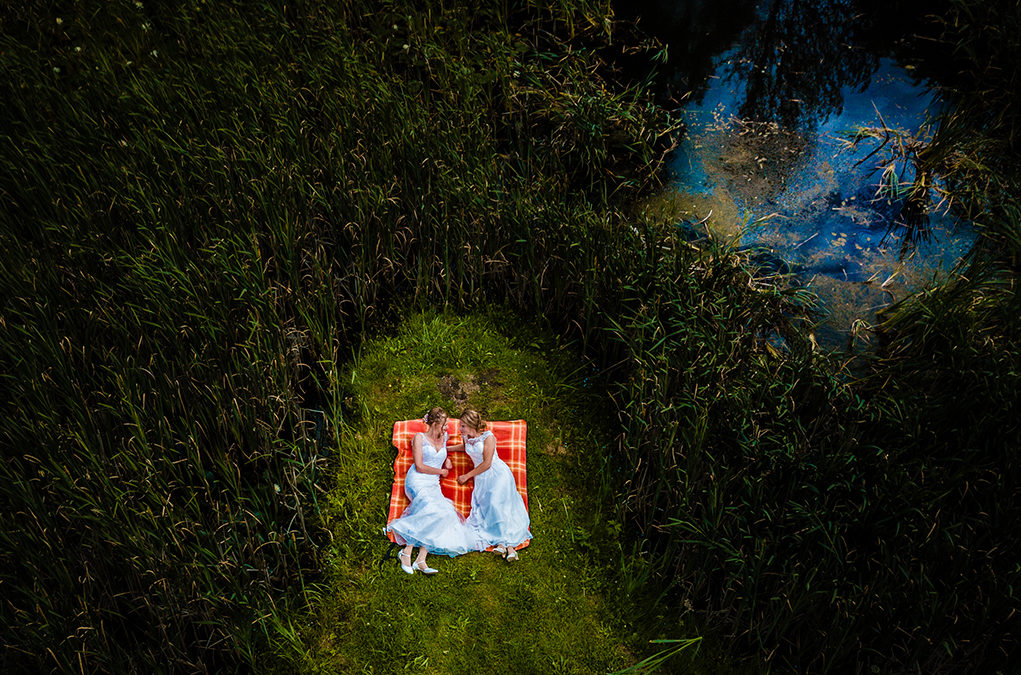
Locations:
column 424, row 568
column 407, row 568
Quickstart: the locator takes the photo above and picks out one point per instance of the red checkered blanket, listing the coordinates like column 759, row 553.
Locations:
column 510, row 445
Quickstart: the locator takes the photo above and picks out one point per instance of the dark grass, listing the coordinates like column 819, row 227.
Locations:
column 207, row 207
column 203, row 208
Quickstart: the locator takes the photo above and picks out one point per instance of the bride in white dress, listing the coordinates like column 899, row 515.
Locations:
column 498, row 515
column 430, row 522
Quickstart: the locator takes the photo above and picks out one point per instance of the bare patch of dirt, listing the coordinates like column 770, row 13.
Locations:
column 456, row 389
column 480, row 391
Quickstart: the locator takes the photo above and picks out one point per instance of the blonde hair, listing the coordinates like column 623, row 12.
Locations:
column 473, row 419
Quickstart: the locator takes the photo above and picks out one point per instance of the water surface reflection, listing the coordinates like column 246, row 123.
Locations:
column 763, row 154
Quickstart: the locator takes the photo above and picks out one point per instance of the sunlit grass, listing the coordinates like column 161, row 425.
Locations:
column 552, row 612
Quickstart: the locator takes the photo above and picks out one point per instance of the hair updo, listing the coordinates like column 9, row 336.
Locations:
column 435, row 415
column 473, row 419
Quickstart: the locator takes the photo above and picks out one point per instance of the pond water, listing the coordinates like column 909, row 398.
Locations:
column 775, row 89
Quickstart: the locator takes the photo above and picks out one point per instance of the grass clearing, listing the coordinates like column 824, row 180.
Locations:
column 548, row 613
column 558, row 610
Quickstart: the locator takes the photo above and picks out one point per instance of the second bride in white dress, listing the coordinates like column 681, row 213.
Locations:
column 498, row 515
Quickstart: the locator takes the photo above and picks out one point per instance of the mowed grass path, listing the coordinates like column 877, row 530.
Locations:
column 554, row 611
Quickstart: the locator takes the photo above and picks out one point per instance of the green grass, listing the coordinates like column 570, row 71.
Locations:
column 559, row 610
column 204, row 206
column 208, row 208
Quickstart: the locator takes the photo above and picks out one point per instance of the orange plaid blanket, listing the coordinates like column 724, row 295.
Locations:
column 510, row 446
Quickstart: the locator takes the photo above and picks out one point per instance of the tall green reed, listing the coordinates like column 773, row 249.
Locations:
column 203, row 217
column 204, row 209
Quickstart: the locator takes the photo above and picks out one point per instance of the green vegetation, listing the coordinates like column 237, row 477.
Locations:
column 206, row 209
column 204, row 205
column 556, row 610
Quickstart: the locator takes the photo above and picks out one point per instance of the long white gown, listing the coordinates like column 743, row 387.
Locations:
column 430, row 519
column 498, row 515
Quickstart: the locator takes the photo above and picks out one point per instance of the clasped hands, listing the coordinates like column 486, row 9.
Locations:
column 447, row 466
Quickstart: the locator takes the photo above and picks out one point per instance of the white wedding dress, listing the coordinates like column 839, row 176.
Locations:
column 498, row 515
column 431, row 519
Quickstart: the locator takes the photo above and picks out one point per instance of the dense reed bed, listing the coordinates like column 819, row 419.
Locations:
column 854, row 523
column 205, row 208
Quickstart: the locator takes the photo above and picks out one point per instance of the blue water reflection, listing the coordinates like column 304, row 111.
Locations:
column 763, row 163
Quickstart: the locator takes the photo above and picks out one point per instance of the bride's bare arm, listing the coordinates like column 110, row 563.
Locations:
column 488, row 450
